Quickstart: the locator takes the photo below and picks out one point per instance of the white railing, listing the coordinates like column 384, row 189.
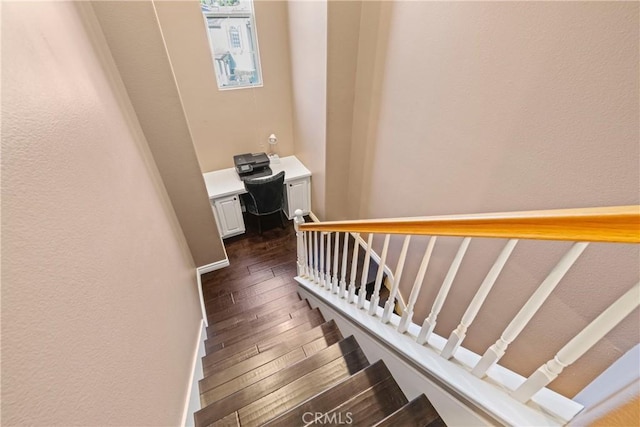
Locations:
column 618, row 224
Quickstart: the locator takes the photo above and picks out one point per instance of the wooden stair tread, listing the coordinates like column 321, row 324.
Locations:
column 417, row 413
column 265, row 340
column 226, row 319
column 375, row 403
column 230, row 420
column 316, row 381
column 330, row 399
column 256, row 289
column 271, row 328
column 314, row 333
column 268, row 385
column 214, row 287
column 255, row 326
column 268, row 309
column 242, row 320
column 254, row 302
column 221, row 374
column 244, row 380
column 249, row 263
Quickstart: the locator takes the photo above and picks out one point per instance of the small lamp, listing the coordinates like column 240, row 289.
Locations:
column 273, row 141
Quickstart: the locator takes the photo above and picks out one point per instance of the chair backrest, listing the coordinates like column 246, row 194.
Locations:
column 267, row 193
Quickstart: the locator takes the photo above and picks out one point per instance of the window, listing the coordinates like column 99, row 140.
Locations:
column 233, row 42
column 234, row 38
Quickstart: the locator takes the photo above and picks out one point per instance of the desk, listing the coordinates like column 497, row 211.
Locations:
column 224, row 186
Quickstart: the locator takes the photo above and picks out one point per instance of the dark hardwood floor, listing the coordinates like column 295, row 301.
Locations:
column 258, row 265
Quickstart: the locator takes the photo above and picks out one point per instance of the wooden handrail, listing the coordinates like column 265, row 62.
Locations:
column 616, row 224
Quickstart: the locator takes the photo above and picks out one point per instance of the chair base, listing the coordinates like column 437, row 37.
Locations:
column 280, row 214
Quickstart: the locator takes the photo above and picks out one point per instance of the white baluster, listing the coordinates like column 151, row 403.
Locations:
column 470, row 314
column 391, row 302
column 334, row 277
column 321, row 263
column 343, row 278
column 327, row 272
column 309, row 236
column 362, row 294
column 579, row 345
column 497, row 350
column 316, row 269
column 354, row 268
column 375, row 297
column 407, row 316
column 430, row 322
column 299, row 219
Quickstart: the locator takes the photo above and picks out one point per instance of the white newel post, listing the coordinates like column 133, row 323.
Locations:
column 407, row 316
column 391, row 302
column 429, row 323
column 458, row 335
column 579, row 345
column 497, row 350
column 299, row 219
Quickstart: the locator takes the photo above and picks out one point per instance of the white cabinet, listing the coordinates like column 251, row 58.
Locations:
column 229, row 215
column 298, row 196
column 224, row 188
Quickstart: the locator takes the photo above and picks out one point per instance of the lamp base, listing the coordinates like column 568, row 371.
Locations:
column 274, row 158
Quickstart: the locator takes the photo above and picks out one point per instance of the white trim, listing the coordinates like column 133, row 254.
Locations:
column 613, row 388
column 313, row 217
column 605, row 407
column 214, row 266
column 192, row 400
column 207, row 269
column 454, row 374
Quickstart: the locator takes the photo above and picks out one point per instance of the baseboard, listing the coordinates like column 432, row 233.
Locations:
column 213, row 266
column 207, row 269
column 313, row 217
column 192, row 401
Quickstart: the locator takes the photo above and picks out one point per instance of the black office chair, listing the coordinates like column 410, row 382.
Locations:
column 265, row 196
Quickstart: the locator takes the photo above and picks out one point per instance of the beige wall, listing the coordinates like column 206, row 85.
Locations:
column 308, row 44
column 133, row 34
column 100, row 311
column 343, row 32
column 481, row 107
column 224, row 123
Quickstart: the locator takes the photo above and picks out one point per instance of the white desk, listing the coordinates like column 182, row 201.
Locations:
column 224, row 186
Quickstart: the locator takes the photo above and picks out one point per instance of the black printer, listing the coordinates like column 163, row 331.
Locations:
column 252, row 165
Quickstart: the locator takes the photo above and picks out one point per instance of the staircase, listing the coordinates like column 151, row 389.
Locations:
column 273, row 360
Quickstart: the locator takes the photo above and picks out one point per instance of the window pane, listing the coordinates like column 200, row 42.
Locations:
column 232, row 38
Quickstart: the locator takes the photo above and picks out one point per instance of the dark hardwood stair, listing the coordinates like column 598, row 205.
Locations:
column 417, row 413
column 273, row 360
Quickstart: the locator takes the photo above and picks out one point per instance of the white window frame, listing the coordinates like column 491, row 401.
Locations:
column 222, row 14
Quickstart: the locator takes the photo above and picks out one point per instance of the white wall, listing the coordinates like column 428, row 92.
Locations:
column 502, row 106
